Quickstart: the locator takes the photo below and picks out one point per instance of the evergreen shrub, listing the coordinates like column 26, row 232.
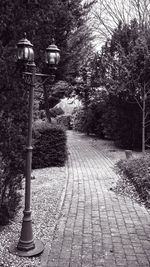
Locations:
column 13, row 125
column 137, row 171
column 89, row 121
column 50, row 148
column 78, row 120
column 83, row 121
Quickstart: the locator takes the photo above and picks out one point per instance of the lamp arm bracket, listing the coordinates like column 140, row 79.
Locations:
column 36, row 74
column 49, row 78
column 45, row 78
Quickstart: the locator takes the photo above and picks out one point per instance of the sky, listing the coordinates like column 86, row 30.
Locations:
column 106, row 14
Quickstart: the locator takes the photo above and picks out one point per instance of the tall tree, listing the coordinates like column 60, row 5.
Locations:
column 125, row 68
column 106, row 15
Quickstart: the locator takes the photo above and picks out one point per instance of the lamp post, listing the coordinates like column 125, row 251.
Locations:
column 27, row 246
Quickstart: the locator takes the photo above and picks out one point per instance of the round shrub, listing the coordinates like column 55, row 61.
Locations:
column 49, row 149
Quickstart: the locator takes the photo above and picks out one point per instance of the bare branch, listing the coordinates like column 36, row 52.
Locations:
column 147, row 122
column 107, row 14
column 147, row 139
column 137, row 101
column 147, row 113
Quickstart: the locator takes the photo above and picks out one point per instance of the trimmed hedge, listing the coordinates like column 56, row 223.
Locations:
column 90, row 121
column 137, row 171
column 50, row 149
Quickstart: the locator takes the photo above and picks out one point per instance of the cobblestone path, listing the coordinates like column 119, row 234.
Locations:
column 97, row 227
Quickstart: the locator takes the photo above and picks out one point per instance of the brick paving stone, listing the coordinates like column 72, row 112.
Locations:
column 96, row 227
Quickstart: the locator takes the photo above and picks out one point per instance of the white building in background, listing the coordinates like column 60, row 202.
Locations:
column 68, row 105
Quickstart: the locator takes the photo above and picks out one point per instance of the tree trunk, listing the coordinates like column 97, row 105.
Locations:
column 143, row 122
column 86, row 101
column 46, row 105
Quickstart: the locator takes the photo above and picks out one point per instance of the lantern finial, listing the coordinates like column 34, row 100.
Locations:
column 25, row 35
column 53, row 40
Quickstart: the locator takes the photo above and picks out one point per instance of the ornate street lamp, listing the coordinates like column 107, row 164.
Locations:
column 52, row 56
column 25, row 52
column 27, row 246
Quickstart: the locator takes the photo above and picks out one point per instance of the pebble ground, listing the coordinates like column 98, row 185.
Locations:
column 97, row 227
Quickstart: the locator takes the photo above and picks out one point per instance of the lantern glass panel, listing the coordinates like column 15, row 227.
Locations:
column 26, row 53
column 57, row 58
column 46, row 58
column 31, row 54
column 52, row 58
column 20, row 53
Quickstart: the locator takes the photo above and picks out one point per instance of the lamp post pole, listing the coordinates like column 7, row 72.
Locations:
column 26, row 242
column 27, row 246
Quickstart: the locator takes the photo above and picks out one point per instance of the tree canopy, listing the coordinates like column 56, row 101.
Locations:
column 123, row 69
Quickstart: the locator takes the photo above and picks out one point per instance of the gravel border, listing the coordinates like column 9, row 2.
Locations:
column 48, row 191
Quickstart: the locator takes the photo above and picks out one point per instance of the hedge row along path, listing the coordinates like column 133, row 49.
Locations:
column 97, row 227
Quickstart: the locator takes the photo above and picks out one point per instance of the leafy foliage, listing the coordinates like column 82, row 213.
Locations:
column 56, row 111
column 122, row 68
column 122, row 123
column 85, row 123
column 64, row 121
column 13, row 121
column 78, row 120
column 41, row 20
column 112, row 118
column 50, row 147
column 137, row 171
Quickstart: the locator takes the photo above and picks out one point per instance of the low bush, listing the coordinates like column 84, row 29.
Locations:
column 50, row 149
column 88, row 121
column 137, row 171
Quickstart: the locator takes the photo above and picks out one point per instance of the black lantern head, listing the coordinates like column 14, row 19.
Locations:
column 25, row 52
column 52, row 56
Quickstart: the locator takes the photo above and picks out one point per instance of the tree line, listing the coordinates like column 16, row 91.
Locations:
column 116, row 101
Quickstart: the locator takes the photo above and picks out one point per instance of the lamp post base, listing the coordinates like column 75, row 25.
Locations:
column 38, row 249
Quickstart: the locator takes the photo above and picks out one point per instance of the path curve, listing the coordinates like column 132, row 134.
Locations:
column 97, row 227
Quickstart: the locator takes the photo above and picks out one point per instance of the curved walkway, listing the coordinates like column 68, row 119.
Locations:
column 96, row 227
